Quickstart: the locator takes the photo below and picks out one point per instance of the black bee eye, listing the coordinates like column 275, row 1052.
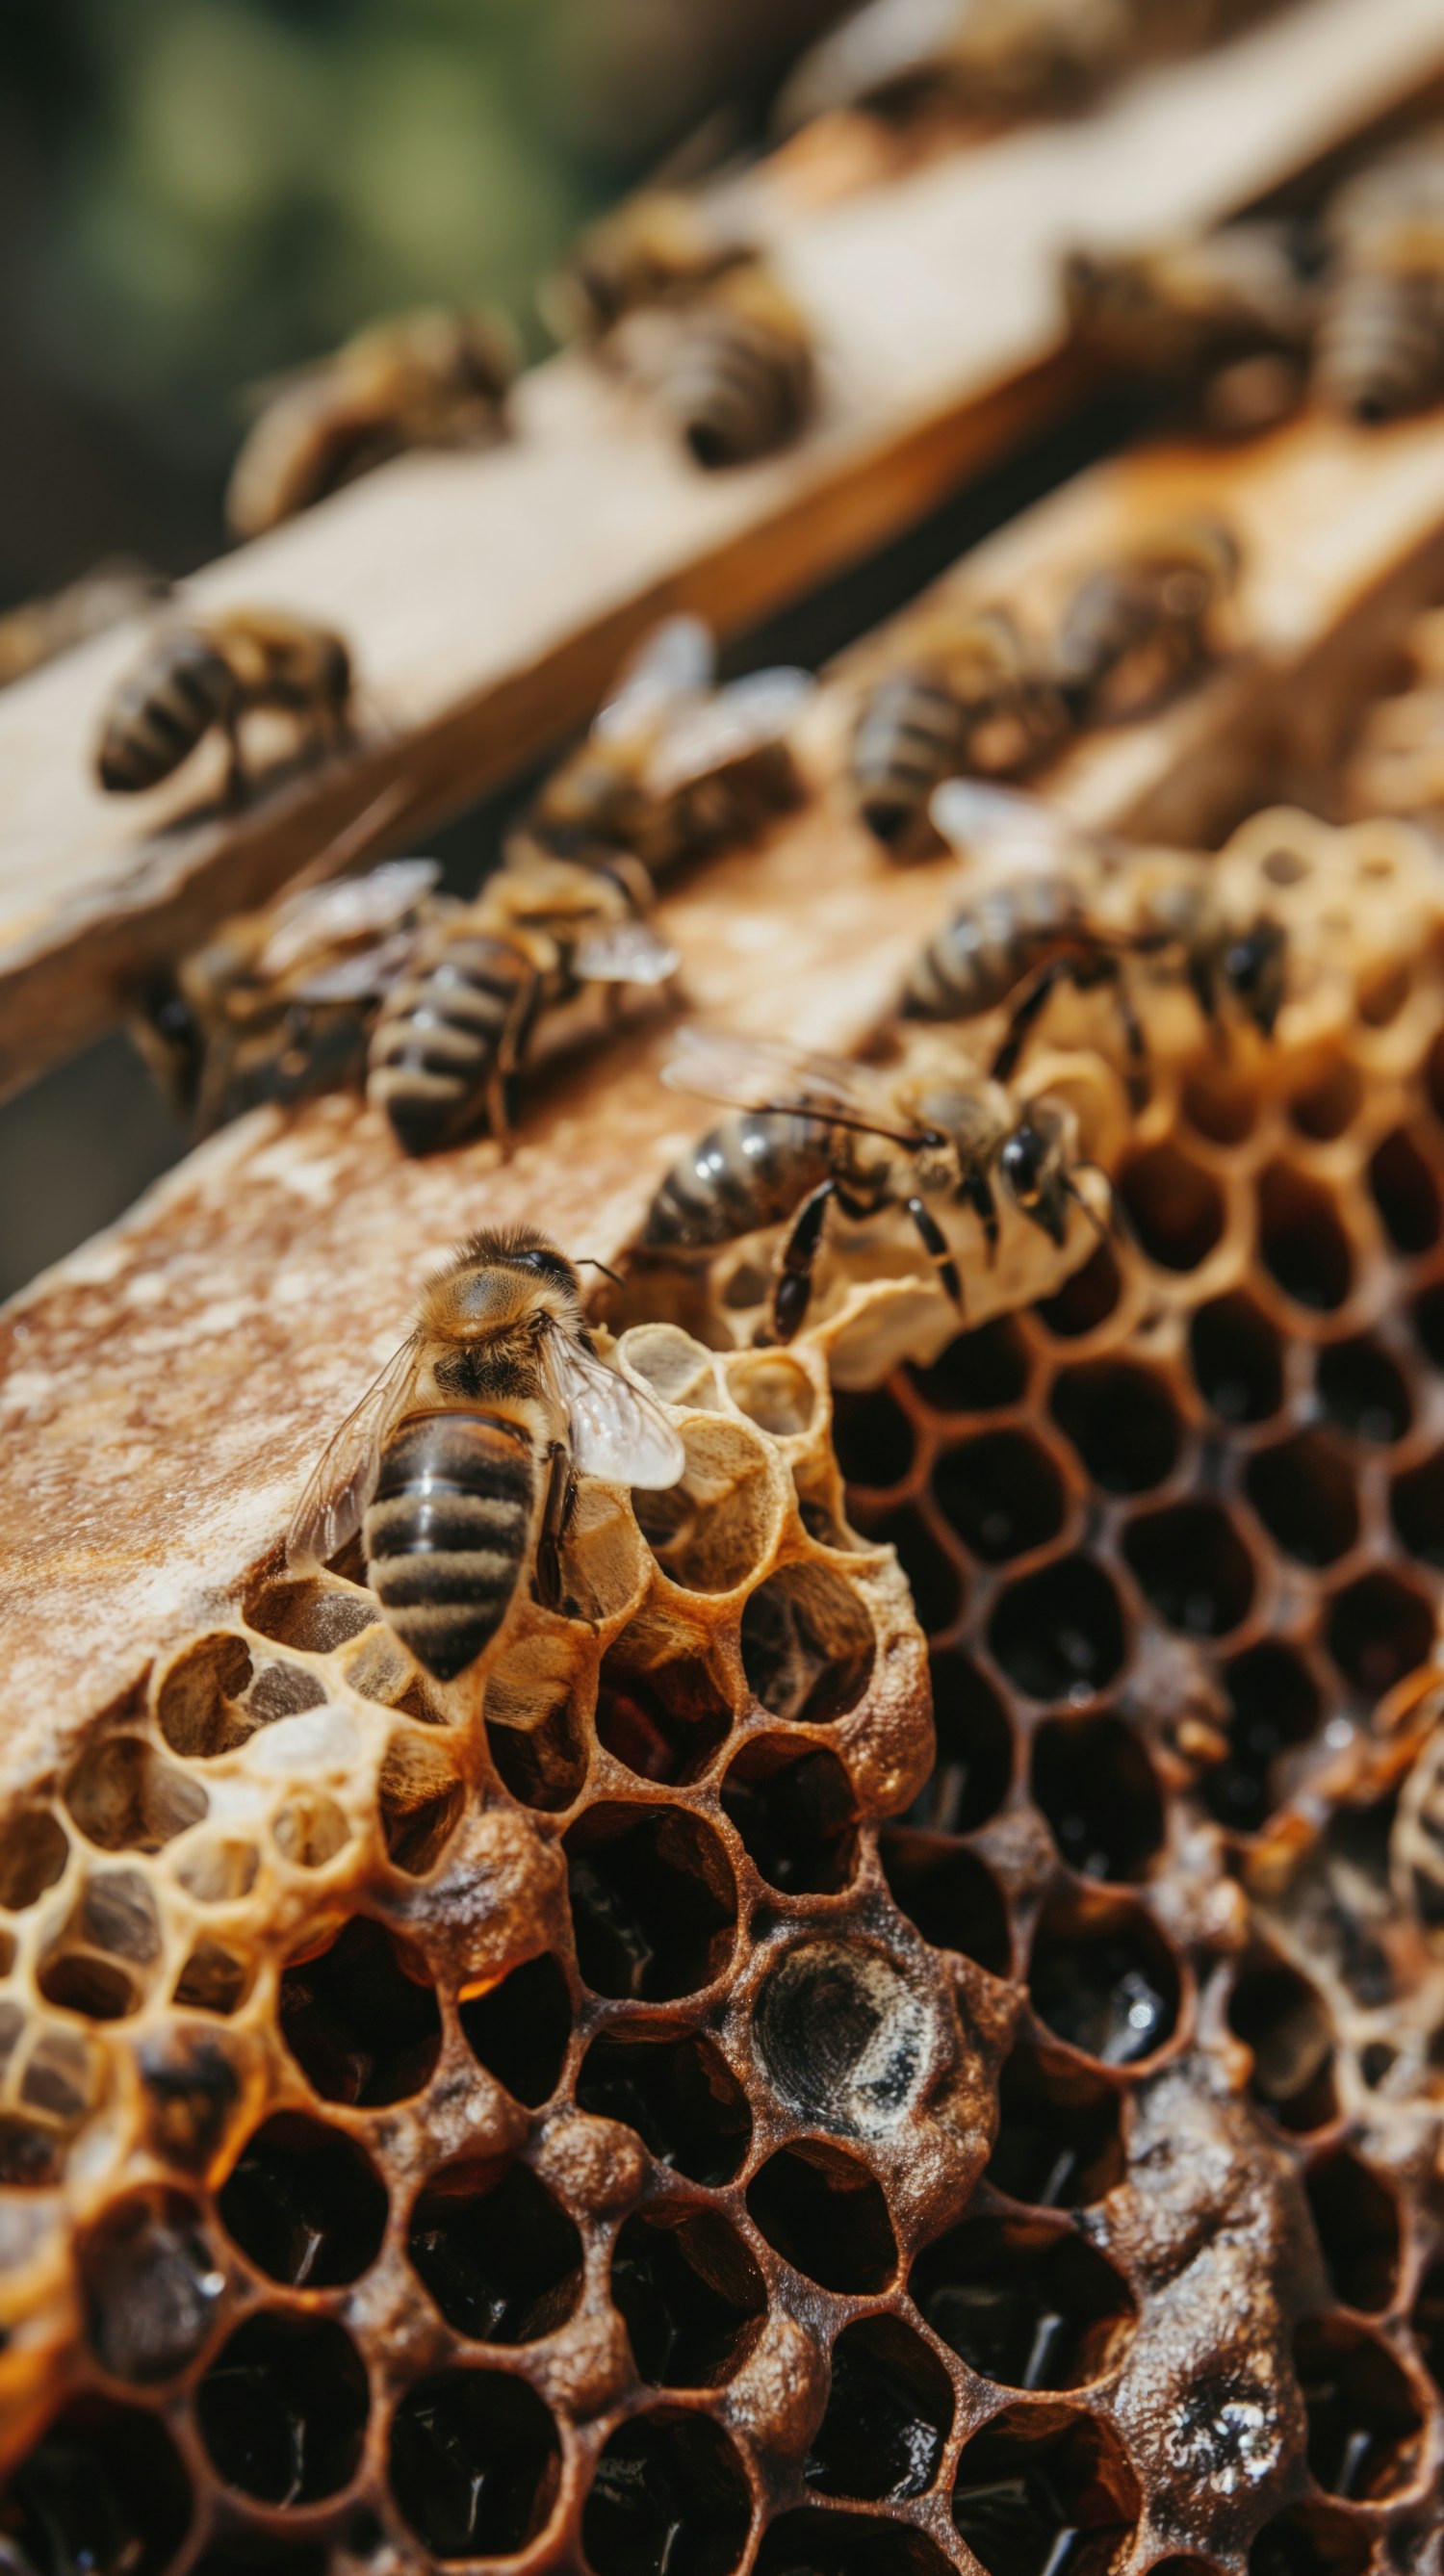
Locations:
column 1022, row 1160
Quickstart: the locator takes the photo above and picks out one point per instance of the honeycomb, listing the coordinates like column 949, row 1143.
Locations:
column 653, row 2108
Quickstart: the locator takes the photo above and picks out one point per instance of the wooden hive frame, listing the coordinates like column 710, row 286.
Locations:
column 488, row 598
column 164, row 1390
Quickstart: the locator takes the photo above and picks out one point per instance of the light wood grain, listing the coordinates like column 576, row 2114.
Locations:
column 488, row 597
column 165, row 1390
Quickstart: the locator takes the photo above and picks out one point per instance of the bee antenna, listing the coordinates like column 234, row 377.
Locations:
column 588, row 1261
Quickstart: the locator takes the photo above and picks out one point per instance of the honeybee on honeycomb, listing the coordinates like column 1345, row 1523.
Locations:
column 674, row 766
column 1135, row 629
column 1379, row 350
column 1062, row 907
column 809, row 1132
column 973, row 692
column 40, row 629
column 425, row 379
column 211, row 672
column 1225, row 317
column 459, row 1467
column 463, row 1008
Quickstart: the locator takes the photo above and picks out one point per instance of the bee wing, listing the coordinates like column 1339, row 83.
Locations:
column 725, row 728
column 330, row 1510
column 979, row 820
column 670, row 665
column 764, row 1073
column 625, row 952
column 366, row 977
column 618, row 1429
column 346, row 909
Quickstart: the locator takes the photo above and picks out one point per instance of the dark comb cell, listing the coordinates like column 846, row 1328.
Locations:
column 1045, row 2492
column 1024, row 2302
column 1103, row 1978
column 889, row 2412
column 1121, row 1421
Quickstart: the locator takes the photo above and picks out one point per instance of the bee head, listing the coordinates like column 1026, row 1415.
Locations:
column 1033, row 1172
column 507, row 1279
column 1255, row 969
column 172, row 1039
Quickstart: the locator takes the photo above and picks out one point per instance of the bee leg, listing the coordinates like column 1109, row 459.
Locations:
column 557, row 1510
column 978, row 1191
column 1204, row 988
column 1117, row 1224
column 238, row 778
column 1069, row 968
column 1133, row 1039
column 792, row 1284
column 935, row 1244
column 499, row 1099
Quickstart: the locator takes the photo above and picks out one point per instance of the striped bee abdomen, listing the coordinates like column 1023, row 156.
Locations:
column 160, row 712
column 446, row 1034
column 1380, row 346
column 735, row 388
column 751, row 1171
column 983, row 952
column 1108, row 617
column 448, row 1530
column 910, row 737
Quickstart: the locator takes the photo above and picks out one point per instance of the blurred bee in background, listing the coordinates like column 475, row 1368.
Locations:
column 811, row 1130
column 1380, row 345
column 674, row 766
column 428, row 379
column 1225, row 315
column 40, row 630
column 1135, row 629
column 278, row 1006
column 988, row 58
column 1068, row 908
column 457, row 1023
column 659, row 245
column 730, row 368
column 973, row 694
column 458, row 1469
column 211, row 672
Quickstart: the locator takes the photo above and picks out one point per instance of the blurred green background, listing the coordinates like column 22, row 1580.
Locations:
column 196, row 194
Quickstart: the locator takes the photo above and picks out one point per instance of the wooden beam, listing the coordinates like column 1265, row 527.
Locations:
column 489, row 597
column 165, row 1389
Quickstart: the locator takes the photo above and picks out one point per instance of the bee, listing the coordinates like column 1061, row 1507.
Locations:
column 1082, row 918
column 278, row 1005
column 1380, row 345
column 1230, row 311
column 41, row 629
column 427, row 379
column 459, row 1467
column 975, row 57
column 811, row 1130
column 674, row 766
column 1137, row 628
column 457, row 1023
column 730, row 369
column 657, row 246
column 972, row 696
column 213, row 671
